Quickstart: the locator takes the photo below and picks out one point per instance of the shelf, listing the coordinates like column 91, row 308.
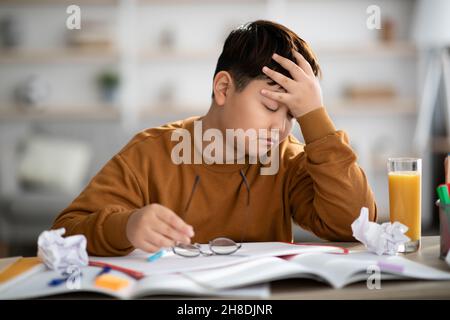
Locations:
column 94, row 114
column 68, row 113
column 172, row 110
column 341, row 107
column 177, row 2
column 112, row 55
column 86, row 55
column 371, row 107
column 364, row 50
column 115, row 2
column 368, row 49
column 149, row 54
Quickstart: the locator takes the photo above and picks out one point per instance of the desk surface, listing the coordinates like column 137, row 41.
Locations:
column 390, row 289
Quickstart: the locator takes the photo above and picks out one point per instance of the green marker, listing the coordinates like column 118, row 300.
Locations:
column 443, row 195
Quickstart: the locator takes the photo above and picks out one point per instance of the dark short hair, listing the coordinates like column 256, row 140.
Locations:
column 250, row 47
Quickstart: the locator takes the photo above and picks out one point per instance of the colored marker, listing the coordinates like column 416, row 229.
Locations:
column 156, row 255
column 442, row 192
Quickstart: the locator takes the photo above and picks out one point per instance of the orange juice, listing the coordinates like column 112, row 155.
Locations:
column 405, row 196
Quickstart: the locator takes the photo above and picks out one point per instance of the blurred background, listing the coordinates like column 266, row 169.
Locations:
column 71, row 98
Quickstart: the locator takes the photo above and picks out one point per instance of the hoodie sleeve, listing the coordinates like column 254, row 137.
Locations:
column 326, row 186
column 102, row 209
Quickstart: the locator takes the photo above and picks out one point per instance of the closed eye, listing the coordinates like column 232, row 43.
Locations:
column 270, row 109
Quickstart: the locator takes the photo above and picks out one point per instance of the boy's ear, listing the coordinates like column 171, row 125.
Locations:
column 221, row 85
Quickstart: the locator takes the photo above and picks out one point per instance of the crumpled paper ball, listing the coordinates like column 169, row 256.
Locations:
column 380, row 239
column 61, row 254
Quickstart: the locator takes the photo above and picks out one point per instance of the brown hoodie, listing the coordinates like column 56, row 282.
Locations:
column 319, row 185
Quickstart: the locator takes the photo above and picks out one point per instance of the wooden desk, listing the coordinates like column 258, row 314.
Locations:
column 390, row 289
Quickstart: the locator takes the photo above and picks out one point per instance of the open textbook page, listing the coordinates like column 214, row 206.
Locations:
column 333, row 269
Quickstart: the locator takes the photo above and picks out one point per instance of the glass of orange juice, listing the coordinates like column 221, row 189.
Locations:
column 405, row 197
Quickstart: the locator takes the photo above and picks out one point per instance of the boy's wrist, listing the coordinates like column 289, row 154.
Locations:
column 115, row 229
column 316, row 124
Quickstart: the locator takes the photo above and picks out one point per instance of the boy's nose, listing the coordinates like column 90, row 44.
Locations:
column 279, row 120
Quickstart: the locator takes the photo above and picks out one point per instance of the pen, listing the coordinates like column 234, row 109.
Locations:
column 57, row 281
column 158, row 254
column 105, row 269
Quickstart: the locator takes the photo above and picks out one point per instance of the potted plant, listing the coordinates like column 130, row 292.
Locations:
column 109, row 82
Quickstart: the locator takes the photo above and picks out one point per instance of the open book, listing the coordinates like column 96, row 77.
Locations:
column 243, row 274
column 334, row 270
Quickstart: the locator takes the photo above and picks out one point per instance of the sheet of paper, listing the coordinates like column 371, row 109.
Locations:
column 173, row 263
column 62, row 253
column 381, row 239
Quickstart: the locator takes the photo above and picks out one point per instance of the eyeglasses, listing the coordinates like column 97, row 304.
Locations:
column 217, row 246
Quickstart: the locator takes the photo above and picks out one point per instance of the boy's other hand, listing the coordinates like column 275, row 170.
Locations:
column 303, row 93
column 155, row 226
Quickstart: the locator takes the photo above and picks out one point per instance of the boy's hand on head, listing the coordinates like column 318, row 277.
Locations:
column 303, row 93
column 155, row 226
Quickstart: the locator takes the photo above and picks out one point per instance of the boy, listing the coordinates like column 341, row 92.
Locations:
column 144, row 196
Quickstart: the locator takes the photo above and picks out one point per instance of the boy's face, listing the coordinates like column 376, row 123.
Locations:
column 249, row 109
